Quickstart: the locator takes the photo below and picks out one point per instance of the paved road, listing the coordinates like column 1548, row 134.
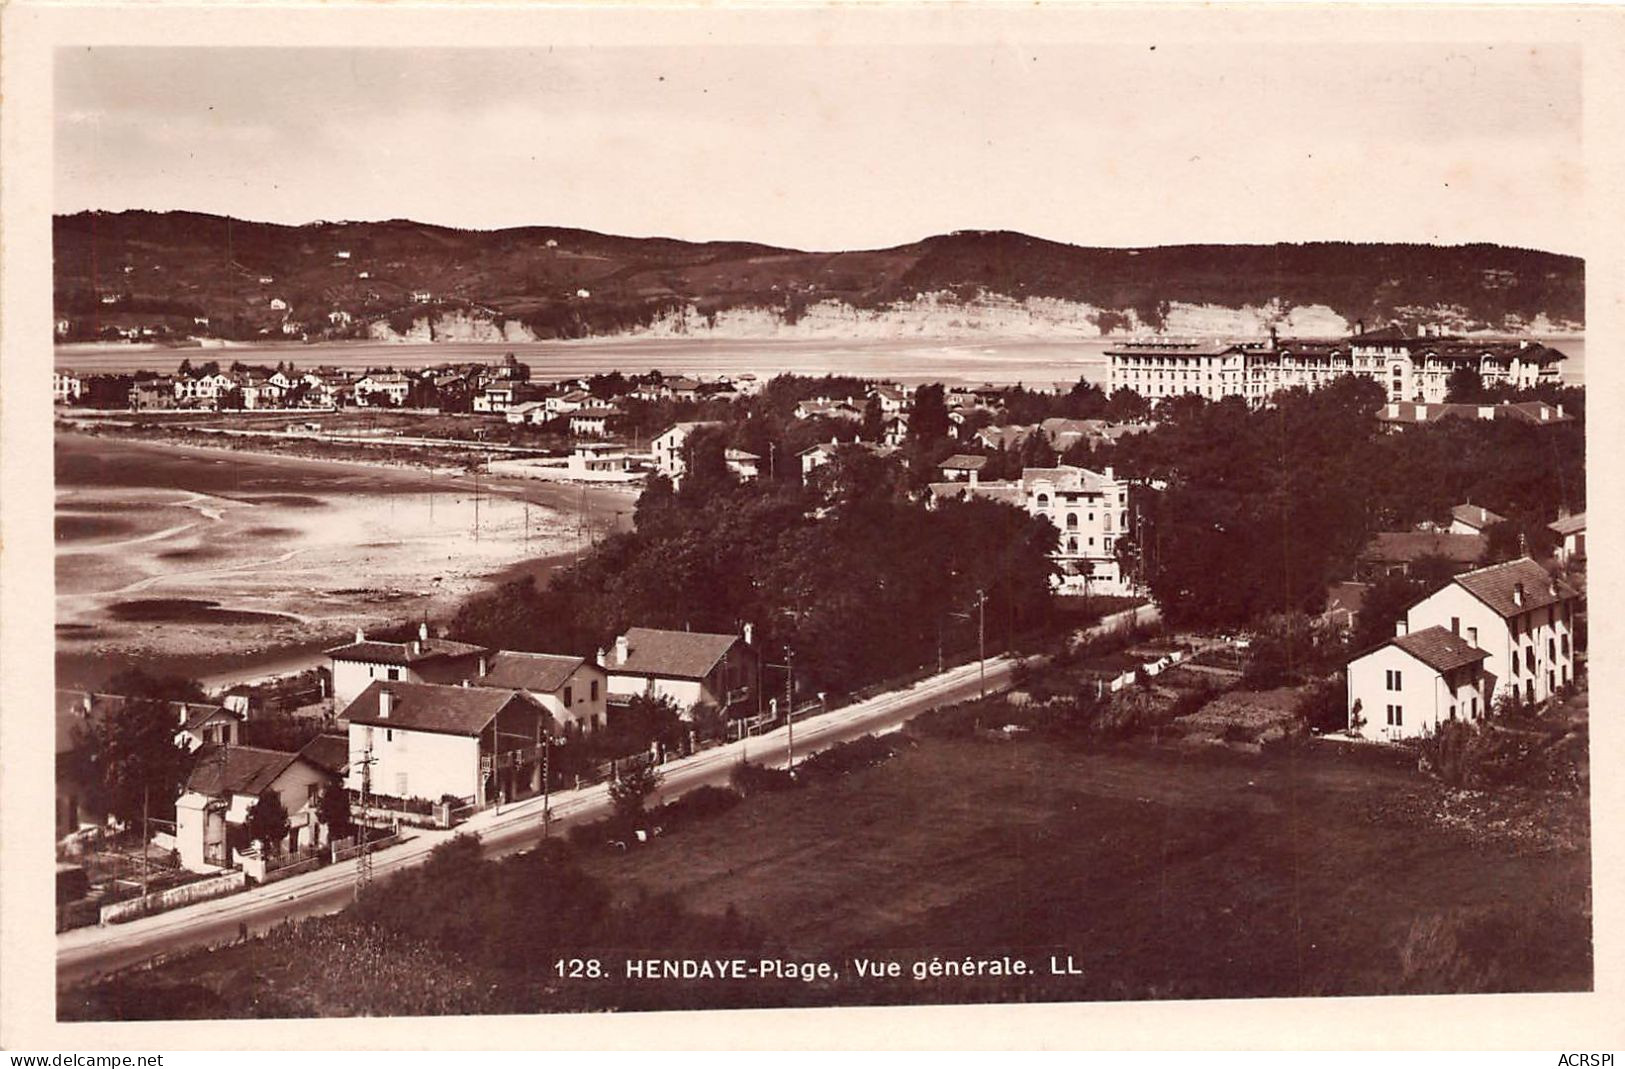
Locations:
column 84, row 953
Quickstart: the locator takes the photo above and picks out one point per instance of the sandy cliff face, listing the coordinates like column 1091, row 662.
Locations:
column 457, row 326
column 942, row 315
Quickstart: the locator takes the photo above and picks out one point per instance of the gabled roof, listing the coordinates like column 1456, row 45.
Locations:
column 200, row 713
column 1346, row 597
column 1568, row 525
column 673, row 654
column 689, row 426
column 238, row 769
column 1438, row 648
column 403, row 653
column 739, row 454
column 328, row 752
column 434, row 707
column 1497, row 586
column 1476, row 516
column 539, row 673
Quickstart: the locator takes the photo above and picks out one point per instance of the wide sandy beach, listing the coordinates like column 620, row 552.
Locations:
column 224, row 564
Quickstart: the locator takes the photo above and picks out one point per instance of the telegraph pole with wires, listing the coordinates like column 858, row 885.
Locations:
column 981, row 636
column 789, row 704
column 363, row 863
column 547, row 777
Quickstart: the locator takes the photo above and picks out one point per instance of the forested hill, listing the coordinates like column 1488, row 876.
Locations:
column 400, row 278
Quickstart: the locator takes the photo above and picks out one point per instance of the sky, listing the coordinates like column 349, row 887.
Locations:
column 845, row 146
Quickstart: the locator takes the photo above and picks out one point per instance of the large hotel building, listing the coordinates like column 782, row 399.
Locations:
column 1410, row 368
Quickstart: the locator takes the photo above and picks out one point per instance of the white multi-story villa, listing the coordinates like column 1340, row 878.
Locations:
column 1088, row 508
column 1410, row 368
column 66, row 387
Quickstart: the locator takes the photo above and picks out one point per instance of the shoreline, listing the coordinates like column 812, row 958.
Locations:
column 267, row 653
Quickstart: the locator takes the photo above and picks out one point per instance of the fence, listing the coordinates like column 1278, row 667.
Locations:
column 346, row 853
column 175, row 896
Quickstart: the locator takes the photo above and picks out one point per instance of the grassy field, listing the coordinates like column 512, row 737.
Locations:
column 1159, row 872
column 1162, row 874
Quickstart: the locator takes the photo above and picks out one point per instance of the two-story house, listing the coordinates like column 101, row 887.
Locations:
column 211, row 815
column 1417, row 680
column 691, row 668
column 668, row 447
column 572, row 689
column 430, row 740
column 421, row 660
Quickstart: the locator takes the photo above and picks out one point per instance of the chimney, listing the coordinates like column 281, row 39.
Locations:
column 182, row 707
column 1517, row 594
column 386, row 704
column 622, row 648
column 423, row 631
column 1399, row 628
column 602, row 658
column 1472, row 635
column 973, row 474
column 1359, row 327
column 360, row 635
column 750, row 634
column 485, row 665
column 417, row 646
column 1273, row 337
column 1560, row 410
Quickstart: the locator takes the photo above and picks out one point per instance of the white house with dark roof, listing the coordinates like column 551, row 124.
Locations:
column 429, row 740
column 424, row 659
column 669, row 444
column 202, row 724
column 962, row 466
column 1417, row 680
column 1473, row 519
column 1519, row 615
column 1572, row 530
column 211, row 815
column 744, row 466
column 572, row 689
column 692, row 668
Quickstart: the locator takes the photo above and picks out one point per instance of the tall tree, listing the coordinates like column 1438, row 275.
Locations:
column 268, row 822
column 928, row 416
column 138, row 765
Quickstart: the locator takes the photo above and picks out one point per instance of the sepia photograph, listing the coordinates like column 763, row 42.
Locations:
column 901, row 519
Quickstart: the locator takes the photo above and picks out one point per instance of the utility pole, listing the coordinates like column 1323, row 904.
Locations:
column 981, row 636
column 981, row 639
column 146, row 837
column 363, row 863
column 789, row 704
column 547, row 775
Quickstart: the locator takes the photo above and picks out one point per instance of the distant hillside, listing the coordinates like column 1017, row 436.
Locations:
column 399, row 279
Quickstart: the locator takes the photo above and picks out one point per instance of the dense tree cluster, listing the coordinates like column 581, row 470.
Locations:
column 1246, row 512
column 860, row 579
